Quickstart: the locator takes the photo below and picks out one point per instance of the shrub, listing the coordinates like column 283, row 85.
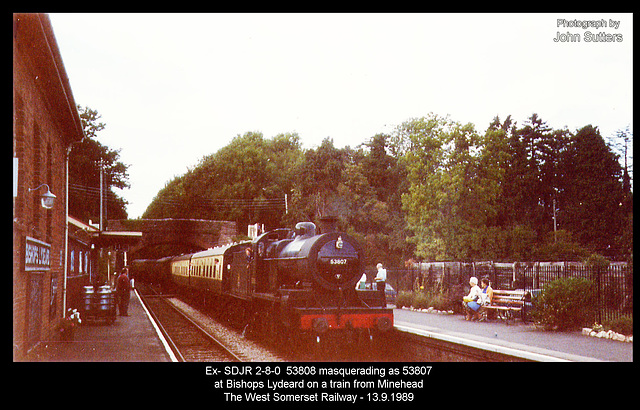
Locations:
column 404, row 298
column 423, row 300
column 597, row 261
column 623, row 325
column 440, row 302
column 565, row 303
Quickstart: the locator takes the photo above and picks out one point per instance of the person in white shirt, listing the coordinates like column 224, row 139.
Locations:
column 381, row 283
column 470, row 302
column 381, row 276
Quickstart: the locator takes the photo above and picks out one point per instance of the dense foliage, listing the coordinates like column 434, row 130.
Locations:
column 434, row 189
column 566, row 303
column 246, row 181
column 86, row 159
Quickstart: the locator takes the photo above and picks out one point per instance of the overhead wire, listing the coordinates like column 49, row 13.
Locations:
column 254, row 204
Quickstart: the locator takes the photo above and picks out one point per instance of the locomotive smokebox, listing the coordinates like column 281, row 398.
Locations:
column 328, row 224
column 332, row 260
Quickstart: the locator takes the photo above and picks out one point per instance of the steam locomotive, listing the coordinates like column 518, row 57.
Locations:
column 284, row 281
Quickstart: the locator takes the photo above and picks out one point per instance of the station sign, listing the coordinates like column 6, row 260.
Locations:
column 37, row 255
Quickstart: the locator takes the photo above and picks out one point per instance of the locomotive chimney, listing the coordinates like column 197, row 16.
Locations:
column 328, row 224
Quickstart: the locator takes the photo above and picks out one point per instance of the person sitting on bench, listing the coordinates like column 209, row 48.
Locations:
column 470, row 302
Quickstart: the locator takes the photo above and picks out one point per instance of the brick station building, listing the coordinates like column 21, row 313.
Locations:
column 45, row 124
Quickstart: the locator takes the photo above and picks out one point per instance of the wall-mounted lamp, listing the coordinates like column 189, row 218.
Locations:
column 47, row 199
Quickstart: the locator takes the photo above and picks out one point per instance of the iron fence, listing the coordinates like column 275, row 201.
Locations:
column 613, row 285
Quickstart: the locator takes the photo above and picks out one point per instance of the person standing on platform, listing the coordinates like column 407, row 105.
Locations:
column 381, row 282
column 381, row 276
column 123, row 291
column 362, row 283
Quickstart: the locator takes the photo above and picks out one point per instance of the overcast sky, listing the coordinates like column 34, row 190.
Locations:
column 172, row 88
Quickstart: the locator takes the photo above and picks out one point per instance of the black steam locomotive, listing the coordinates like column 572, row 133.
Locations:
column 284, row 281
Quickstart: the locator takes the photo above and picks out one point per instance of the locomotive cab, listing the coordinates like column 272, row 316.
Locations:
column 265, row 248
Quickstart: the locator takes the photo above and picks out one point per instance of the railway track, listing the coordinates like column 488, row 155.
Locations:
column 187, row 339
column 199, row 341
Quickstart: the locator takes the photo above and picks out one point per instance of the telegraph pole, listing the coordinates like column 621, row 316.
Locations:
column 101, row 190
column 555, row 234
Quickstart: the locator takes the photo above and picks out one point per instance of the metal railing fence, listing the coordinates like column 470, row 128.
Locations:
column 613, row 285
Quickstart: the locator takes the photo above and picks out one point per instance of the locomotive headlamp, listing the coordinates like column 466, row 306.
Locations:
column 47, row 200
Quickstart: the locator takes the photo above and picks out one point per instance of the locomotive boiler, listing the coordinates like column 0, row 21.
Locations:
column 328, row 262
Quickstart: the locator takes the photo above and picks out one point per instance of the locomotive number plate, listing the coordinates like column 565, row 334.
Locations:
column 338, row 262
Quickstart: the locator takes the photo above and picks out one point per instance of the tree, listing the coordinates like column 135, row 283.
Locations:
column 532, row 175
column 321, row 173
column 370, row 205
column 86, row 159
column 418, row 143
column 624, row 140
column 592, row 192
column 434, row 188
column 245, row 182
column 168, row 202
column 380, row 168
column 451, row 201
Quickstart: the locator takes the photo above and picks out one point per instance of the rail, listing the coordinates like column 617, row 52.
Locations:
column 186, row 338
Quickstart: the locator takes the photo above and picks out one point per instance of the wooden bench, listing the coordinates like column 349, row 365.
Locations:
column 506, row 303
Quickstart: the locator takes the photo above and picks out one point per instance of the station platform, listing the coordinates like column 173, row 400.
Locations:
column 131, row 338
column 517, row 339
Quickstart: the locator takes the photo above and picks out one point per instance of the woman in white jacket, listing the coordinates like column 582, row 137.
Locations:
column 471, row 301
